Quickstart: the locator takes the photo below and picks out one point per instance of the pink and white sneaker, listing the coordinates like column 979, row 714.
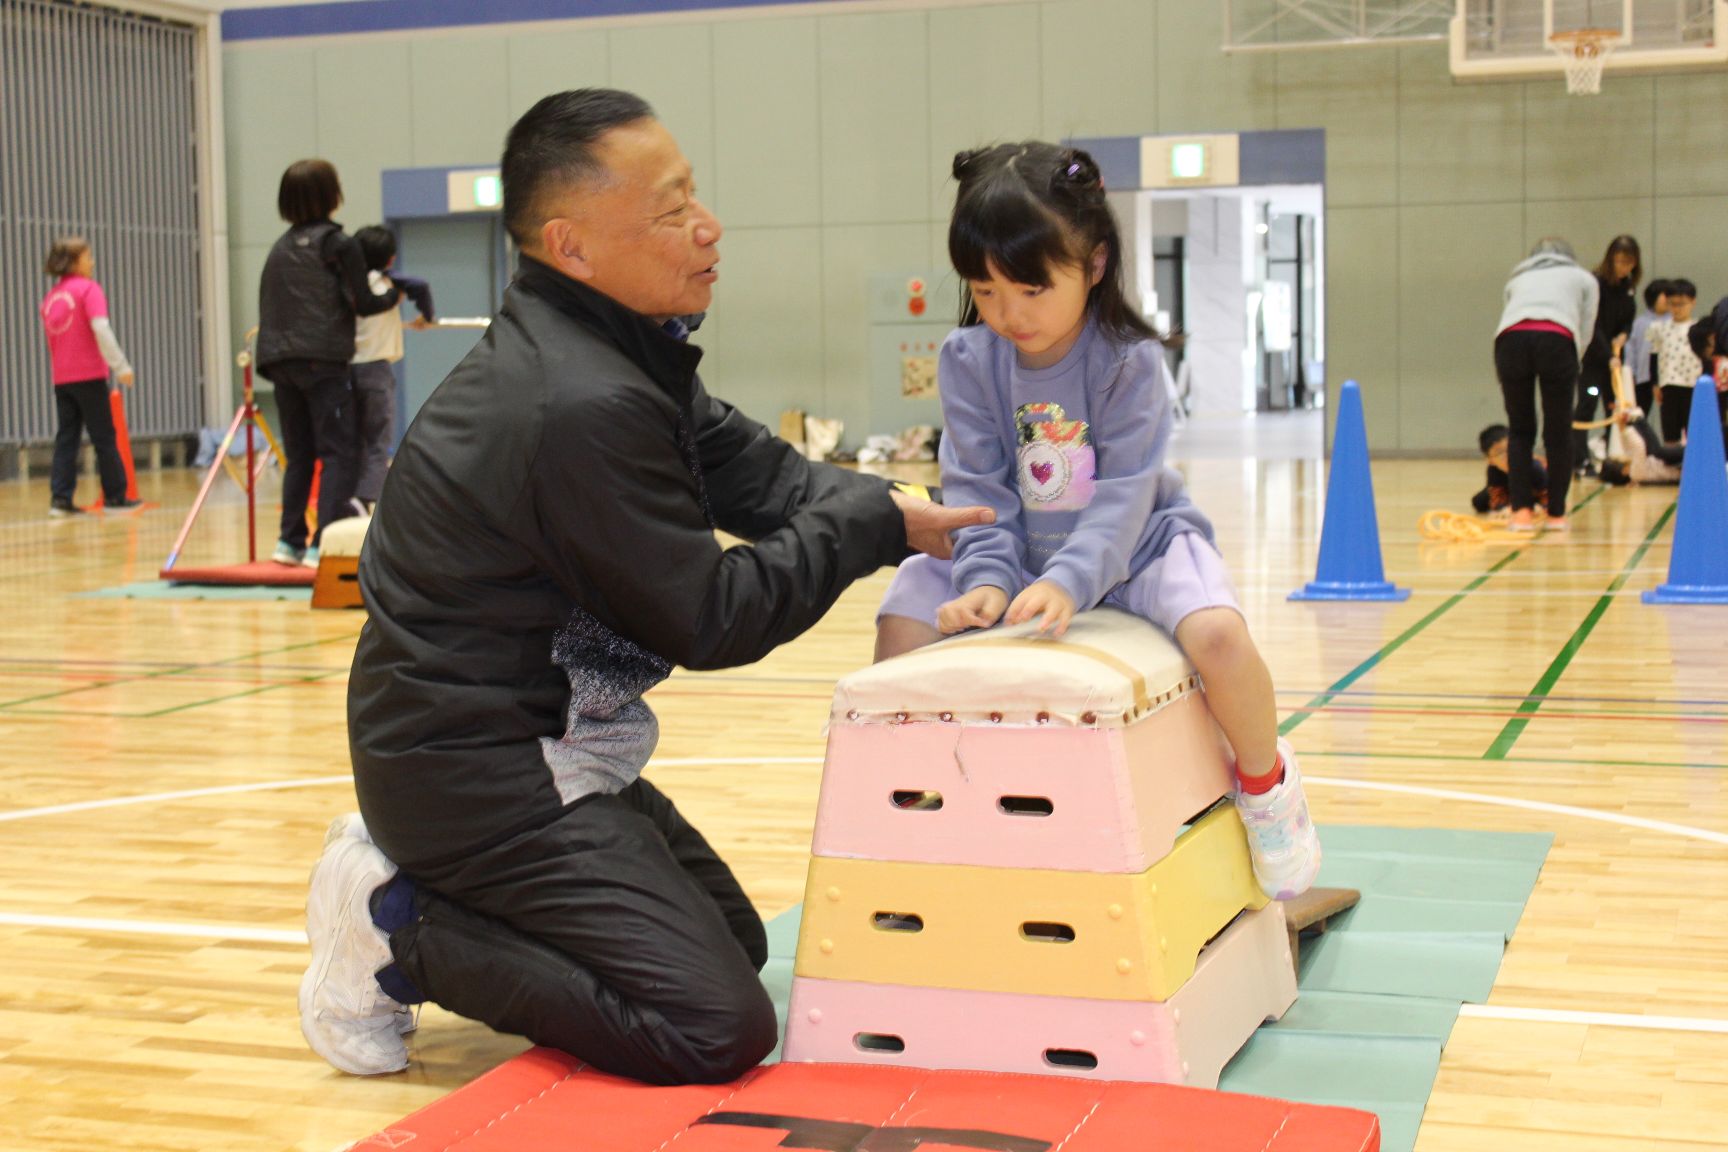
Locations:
column 1282, row 844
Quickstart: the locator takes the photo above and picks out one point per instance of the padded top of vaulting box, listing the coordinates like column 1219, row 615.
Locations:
column 1110, row 667
column 345, row 536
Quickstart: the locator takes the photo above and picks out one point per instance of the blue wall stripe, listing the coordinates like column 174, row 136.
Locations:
column 404, row 15
column 1286, row 156
column 1295, row 156
column 1117, row 157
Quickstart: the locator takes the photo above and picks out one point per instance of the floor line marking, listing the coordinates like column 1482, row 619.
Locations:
column 164, row 797
column 1290, row 722
column 1514, row 728
column 1456, row 758
column 296, row 937
column 155, row 928
column 1605, row 1019
column 1550, row 714
column 1685, row 830
column 322, row 781
column 171, row 671
column 1295, row 718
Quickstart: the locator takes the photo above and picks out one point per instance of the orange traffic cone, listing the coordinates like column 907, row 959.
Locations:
column 122, row 441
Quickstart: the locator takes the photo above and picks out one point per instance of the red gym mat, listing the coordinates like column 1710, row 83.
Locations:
column 545, row 1100
column 260, row 572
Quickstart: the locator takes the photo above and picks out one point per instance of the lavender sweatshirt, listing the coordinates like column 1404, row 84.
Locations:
column 1071, row 457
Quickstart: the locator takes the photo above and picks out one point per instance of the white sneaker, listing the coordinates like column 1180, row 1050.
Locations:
column 1282, row 844
column 354, row 827
column 344, row 1015
column 286, row 553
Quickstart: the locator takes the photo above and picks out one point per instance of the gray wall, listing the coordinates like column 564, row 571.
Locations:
column 837, row 168
column 97, row 127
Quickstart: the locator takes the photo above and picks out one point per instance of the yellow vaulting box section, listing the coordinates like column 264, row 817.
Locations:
column 1039, row 932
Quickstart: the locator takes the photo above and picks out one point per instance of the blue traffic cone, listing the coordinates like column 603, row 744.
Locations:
column 1698, row 565
column 1350, row 566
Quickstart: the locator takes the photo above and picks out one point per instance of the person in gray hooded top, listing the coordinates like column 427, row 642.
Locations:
column 1545, row 326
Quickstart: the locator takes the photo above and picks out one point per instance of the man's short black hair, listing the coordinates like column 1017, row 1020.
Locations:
column 1654, row 289
column 1491, row 436
column 377, row 246
column 1683, row 288
column 552, row 145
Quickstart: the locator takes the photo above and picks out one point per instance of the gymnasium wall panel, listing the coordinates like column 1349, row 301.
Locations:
column 875, row 97
column 98, row 138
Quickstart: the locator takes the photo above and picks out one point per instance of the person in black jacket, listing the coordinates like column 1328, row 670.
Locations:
column 313, row 286
column 543, row 554
column 1617, row 278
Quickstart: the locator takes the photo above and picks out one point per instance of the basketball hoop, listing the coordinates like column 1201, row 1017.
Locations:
column 1583, row 52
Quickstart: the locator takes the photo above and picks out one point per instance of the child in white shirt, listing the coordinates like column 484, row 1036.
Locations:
column 378, row 345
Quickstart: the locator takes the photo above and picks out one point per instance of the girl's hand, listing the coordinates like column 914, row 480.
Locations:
column 125, row 378
column 1047, row 600
column 979, row 608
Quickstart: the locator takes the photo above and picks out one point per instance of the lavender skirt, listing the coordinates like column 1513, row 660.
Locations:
column 1188, row 577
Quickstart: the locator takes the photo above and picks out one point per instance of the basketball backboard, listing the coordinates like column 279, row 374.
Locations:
column 1512, row 39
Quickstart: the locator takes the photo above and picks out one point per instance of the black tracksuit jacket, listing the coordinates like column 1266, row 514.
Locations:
column 544, row 546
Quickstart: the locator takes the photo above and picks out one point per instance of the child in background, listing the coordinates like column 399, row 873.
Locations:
column 1677, row 367
column 378, row 345
column 1057, row 417
column 1647, row 459
column 1702, row 338
column 1640, row 353
column 1496, row 496
column 82, row 350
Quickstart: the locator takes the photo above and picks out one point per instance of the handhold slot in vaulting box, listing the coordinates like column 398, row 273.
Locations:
column 1085, row 754
column 1243, row 978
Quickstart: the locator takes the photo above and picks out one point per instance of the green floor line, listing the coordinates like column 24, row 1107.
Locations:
column 241, row 695
column 177, row 670
column 1362, row 669
column 1515, row 727
column 1295, row 718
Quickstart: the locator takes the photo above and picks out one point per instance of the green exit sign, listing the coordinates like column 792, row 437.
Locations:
column 488, row 191
column 1188, row 161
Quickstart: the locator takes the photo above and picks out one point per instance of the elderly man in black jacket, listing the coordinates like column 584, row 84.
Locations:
column 543, row 554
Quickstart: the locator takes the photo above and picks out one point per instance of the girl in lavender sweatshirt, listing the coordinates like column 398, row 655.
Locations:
column 1056, row 417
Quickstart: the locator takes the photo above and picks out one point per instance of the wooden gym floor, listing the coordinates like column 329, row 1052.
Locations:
column 168, row 768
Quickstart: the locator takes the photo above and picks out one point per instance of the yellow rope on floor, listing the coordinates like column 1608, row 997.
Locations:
column 1453, row 527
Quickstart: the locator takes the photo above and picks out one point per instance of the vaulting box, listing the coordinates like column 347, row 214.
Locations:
column 1099, row 935
column 1244, row 978
column 1086, row 754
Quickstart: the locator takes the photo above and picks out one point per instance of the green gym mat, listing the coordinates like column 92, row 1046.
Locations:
column 1381, row 988
column 163, row 590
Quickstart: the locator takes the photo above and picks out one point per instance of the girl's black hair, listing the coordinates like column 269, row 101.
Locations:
column 1654, row 289
column 1629, row 246
column 1030, row 207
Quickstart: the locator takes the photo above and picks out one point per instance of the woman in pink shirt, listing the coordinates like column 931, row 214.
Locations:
column 82, row 349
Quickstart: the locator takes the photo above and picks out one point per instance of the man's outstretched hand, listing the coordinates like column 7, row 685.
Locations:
column 928, row 525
